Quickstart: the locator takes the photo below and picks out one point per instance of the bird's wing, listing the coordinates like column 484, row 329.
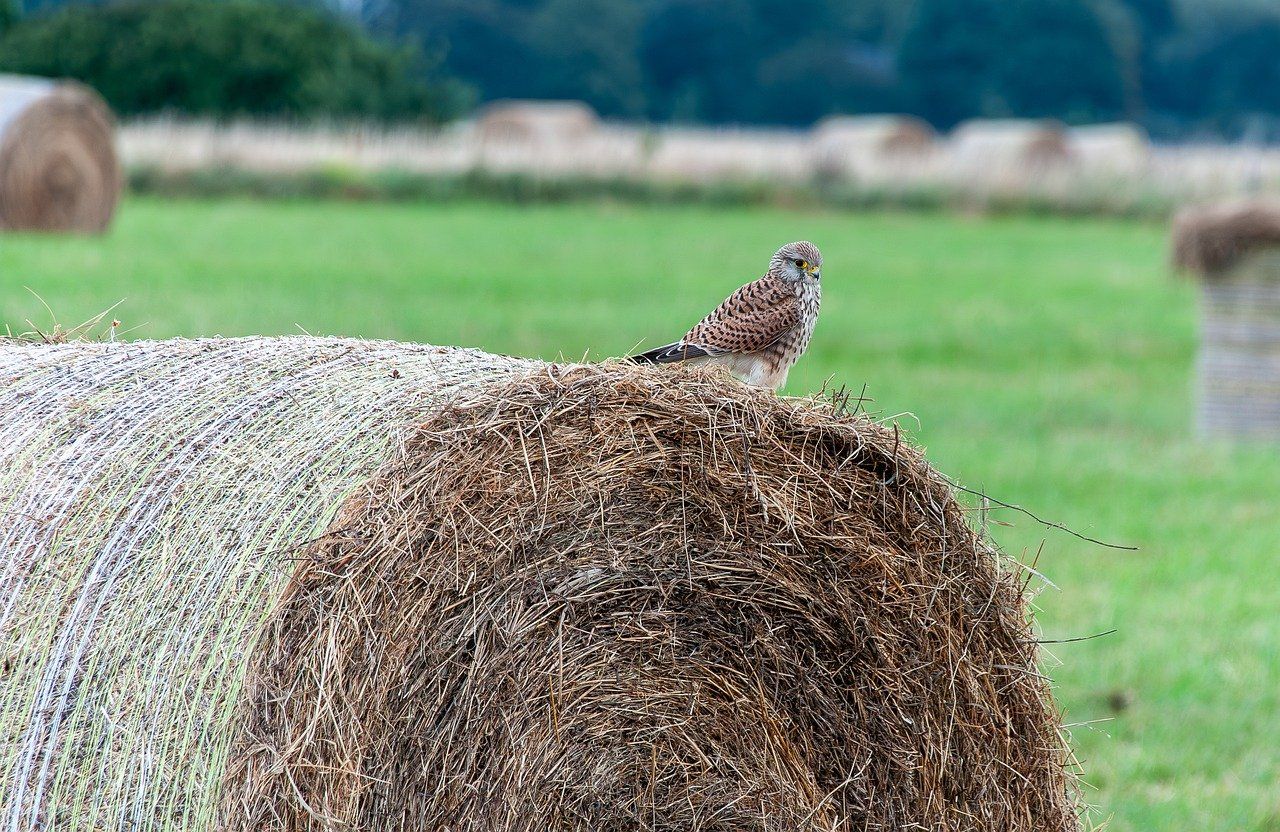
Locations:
column 750, row 320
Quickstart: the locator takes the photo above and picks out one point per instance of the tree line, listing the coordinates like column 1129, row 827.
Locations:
column 1184, row 68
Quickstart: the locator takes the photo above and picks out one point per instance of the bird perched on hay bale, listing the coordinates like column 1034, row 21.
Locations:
column 324, row 585
column 762, row 329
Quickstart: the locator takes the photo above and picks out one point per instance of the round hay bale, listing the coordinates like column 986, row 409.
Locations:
column 1209, row 240
column 537, row 122
column 983, row 144
column 841, row 143
column 1121, row 147
column 682, row 154
column 58, row 165
column 578, row 597
column 1234, row 247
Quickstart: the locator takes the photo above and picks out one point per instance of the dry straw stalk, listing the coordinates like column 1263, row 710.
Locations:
column 584, row 597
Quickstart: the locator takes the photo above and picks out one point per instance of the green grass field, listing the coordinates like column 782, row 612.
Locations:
column 1045, row 361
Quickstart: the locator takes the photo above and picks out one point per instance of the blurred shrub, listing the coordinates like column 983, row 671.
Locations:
column 227, row 58
column 1223, row 77
column 1027, row 58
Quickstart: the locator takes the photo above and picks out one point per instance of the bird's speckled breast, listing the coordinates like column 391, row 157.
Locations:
column 787, row 351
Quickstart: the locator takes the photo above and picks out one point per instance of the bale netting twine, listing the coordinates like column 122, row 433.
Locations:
column 58, row 165
column 569, row 597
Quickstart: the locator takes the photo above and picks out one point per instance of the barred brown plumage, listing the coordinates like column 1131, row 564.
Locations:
column 763, row 328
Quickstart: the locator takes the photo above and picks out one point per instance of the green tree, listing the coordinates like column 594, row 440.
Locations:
column 587, row 50
column 1124, row 31
column 700, row 58
column 1156, row 18
column 820, row 76
column 945, row 60
column 1222, row 78
column 1059, row 61
column 230, row 58
column 1028, row 58
column 8, row 14
column 485, row 43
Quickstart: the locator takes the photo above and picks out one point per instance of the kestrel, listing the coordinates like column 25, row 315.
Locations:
column 759, row 331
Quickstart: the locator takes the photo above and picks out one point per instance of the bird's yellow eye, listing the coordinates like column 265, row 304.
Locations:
column 802, row 264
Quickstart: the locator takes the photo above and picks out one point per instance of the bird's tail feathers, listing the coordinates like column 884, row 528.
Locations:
column 670, row 354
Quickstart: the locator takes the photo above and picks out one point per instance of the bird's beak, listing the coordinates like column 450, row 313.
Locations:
column 815, row 274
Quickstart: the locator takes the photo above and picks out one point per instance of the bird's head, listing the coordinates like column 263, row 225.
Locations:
column 798, row 262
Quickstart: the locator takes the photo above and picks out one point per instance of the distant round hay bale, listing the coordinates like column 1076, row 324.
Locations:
column 681, row 154
column 1234, row 247
column 58, row 165
column 1121, row 146
column 843, row 142
column 537, row 122
column 1010, row 143
column 1209, row 240
column 570, row 597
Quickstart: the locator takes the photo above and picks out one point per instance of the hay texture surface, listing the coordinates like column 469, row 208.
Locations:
column 1210, row 240
column 150, row 496
column 619, row 598
column 58, row 165
column 312, row 584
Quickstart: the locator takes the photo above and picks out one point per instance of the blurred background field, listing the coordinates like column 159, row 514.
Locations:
column 1045, row 361
column 1089, row 106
